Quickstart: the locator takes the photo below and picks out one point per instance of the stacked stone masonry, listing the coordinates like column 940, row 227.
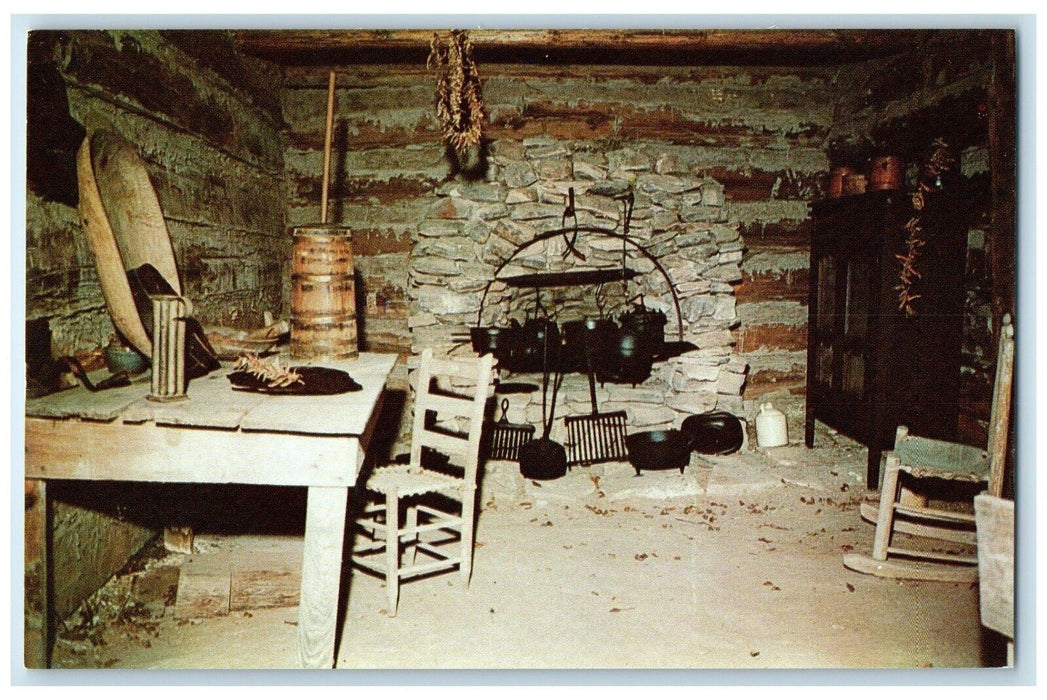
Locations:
column 477, row 229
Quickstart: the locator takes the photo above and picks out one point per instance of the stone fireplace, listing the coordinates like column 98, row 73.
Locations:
column 478, row 233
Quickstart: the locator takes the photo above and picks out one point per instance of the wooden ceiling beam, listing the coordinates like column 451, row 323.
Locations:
column 673, row 45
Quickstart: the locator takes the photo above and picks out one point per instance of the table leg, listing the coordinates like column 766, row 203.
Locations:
column 321, row 575
column 38, row 590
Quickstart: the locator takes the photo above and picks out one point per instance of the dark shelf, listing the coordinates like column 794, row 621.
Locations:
column 573, row 278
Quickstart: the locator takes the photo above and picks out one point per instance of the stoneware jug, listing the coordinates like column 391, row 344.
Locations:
column 771, row 430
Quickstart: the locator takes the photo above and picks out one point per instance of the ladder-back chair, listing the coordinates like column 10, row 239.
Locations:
column 422, row 510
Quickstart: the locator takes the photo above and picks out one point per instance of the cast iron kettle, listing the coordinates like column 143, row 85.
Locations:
column 648, row 325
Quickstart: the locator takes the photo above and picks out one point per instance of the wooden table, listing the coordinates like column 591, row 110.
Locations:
column 222, row 436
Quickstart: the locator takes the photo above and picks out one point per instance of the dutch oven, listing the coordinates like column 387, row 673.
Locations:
column 628, row 360
column 658, row 449
column 598, row 335
column 713, row 432
column 506, row 346
column 529, row 344
column 490, row 339
column 648, row 325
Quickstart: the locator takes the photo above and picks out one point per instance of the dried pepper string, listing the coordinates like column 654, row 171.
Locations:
column 459, row 101
column 271, row 372
column 940, row 161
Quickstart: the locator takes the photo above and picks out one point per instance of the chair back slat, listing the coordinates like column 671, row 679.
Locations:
column 469, row 409
column 1000, row 416
column 448, row 444
column 457, row 368
column 447, row 406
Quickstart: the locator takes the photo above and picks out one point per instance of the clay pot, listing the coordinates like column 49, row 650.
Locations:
column 836, row 177
column 885, row 173
column 854, row 184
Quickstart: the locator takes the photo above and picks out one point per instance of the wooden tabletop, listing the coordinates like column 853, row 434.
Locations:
column 213, row 403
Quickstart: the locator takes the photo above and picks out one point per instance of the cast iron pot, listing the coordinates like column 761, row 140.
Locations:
column 647, row 324
column 713, row 433
column 658, row 449
column 627, row 361
column 572, row 359
column 506, row 344
column 494, row 340
column 482, row 340
column 537, row 339
column 543, row 459
column 599, row 337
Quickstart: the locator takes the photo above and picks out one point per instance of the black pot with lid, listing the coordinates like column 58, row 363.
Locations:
column 596, row 335
column 647, row 325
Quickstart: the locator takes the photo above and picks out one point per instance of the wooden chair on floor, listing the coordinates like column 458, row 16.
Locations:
column 913, row 465
column 422, row 510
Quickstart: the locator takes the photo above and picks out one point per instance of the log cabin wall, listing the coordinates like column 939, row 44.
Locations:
column 209, row 135
column 206, row 123
column 900, row 105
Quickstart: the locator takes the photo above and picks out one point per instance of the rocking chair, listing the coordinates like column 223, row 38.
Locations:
column 915, row 463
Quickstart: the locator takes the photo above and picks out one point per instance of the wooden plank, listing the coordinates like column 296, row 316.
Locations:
column 1000, row 418
column 139, row 68
column 936, row 556
column 996, row 562
column 450, row 405
column 202, row 594
column 121, row 452
column 78, row 402
column 277, row 44
column 212, row 404
column 215, row 50
column 934, row 513
column 321, row 574
column 254, row 590
column 443, row 442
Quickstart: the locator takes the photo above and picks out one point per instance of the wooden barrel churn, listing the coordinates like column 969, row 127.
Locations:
column 323, row 294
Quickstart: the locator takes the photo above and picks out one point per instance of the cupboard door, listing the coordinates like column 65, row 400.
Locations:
column 857, row 296
column 856, row 302
column 826, row 322
column 826, row 296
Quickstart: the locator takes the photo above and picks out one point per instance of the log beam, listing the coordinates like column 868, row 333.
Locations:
column 673, row 46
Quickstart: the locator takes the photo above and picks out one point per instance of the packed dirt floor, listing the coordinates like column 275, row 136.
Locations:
column 736, row 563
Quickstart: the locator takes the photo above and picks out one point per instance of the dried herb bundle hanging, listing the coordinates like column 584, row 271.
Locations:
column 939, row 162
column 459, row 102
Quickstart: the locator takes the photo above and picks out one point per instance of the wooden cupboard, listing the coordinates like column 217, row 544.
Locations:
column 870, row 366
